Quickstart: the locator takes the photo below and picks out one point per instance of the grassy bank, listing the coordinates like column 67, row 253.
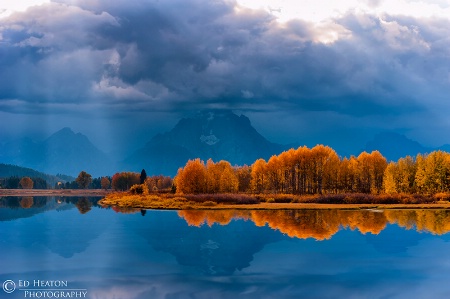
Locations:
column 271, row 201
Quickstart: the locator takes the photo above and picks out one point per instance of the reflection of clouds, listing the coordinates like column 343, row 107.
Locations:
column 331, row 278
column 432, row 264
column 349, row 267
column 248, row 286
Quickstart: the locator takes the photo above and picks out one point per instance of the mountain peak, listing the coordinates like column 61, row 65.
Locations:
column 211, row 134
column 212, row 113
column 64, row 134
column 65, row 130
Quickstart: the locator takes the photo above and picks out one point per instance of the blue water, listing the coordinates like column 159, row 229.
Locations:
column 161, row 255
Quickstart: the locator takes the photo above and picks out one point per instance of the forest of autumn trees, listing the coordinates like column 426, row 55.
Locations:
column 426, row 174
column 122, row 181
column 319, row 170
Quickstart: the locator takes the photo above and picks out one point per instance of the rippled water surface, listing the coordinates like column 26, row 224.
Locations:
column 221, row 254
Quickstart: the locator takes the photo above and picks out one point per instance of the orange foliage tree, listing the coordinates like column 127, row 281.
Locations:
column 124, row 180
column 319, row 170
column 105, row 183
column 158, row 182
column 192, row 179
column 244, row 176
column 26, row 183
column 259, row 178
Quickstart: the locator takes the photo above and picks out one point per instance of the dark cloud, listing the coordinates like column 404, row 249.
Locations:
column 125, row 57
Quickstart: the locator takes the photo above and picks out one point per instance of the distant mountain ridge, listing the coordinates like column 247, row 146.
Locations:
column 63, row 152
column 215, row 134
column 394, row 146
column 219, row 135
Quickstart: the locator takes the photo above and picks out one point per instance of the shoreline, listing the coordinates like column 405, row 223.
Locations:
column 157, row 202
column 53, row 192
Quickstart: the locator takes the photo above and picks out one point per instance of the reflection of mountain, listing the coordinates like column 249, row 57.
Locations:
column 222, row 241
column 61, row 233
column 66, row 237
column 323, row 224
column 12, row 207
column 213, row 250
column 389, row 242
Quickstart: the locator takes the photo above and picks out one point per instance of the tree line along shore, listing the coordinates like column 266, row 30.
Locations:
column 320, row 170
column 302, row 175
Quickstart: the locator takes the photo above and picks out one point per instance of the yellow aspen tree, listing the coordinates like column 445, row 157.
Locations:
column 421, row 177
column 344, row 184
column 244, row 175
column 364, row 172
column 378, row 166
column 259, row 180
column 212, row 177
column 289, row 170
column 273, row 170
column 229, row 182
column 390, row 179
column 301, row 162
column 219, row 169
column 406, row 168
column 436, row 172
column 192, row 178
column 331, row 171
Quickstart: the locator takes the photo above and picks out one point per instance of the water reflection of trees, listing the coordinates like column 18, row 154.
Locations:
column 125, row 210
column 84, row 204
column 26, row 202
column 323, row 224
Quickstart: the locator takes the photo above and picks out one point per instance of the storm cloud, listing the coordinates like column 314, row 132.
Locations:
column 358, row 72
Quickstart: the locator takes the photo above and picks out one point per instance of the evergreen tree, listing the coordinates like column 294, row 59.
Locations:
column 143, row 176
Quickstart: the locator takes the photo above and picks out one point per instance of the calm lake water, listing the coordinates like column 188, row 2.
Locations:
column 220, row 254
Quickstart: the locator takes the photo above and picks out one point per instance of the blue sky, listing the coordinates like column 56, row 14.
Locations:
column 304, row 72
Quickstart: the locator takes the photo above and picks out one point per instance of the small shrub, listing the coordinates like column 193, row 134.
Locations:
column 270, row 200
column 209, row 203
column 138, row 189
column 283, row 198
column 442, row 196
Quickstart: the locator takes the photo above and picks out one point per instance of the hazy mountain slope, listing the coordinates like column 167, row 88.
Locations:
column 63, row 152
column 16, row 151
column 394, row 146
column 219, row 135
